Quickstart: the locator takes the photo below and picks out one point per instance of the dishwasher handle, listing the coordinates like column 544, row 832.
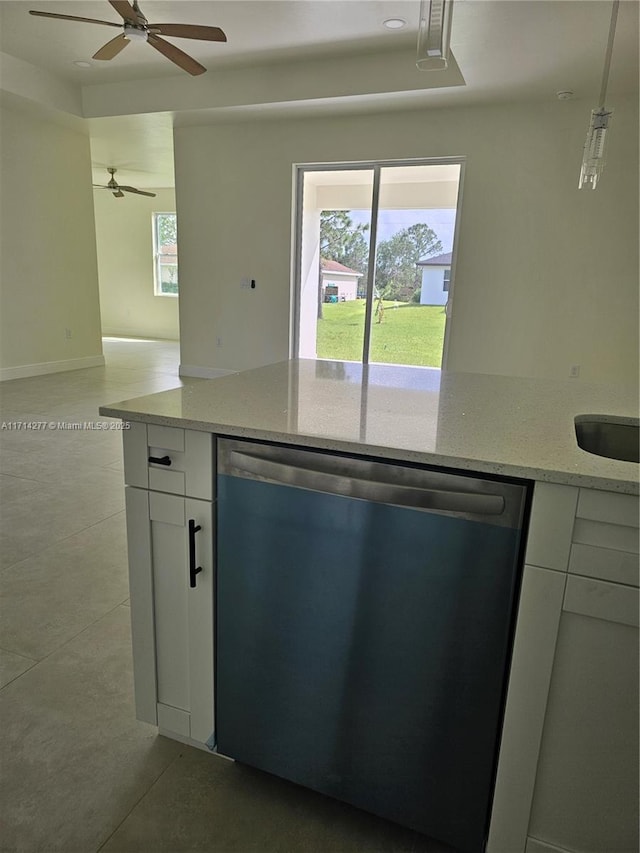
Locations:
column 404, row 496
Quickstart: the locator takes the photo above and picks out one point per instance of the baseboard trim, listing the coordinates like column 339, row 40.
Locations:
column 139, row 336
column 23, row 371
column 198, row 372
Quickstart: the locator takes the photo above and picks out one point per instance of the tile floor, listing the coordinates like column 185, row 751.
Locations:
column 78, row 773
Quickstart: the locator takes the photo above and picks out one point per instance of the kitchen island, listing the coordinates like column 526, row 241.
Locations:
column 515, row 426
column 576, row 634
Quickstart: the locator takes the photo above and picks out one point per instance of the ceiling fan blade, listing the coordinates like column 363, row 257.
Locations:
column 73, row 18
column 182, row 59
column 138, row 192
column 112, row 48
column 189, row 31
column 126, row 11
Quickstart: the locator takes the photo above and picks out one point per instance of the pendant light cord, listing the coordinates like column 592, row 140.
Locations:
column 607, row 58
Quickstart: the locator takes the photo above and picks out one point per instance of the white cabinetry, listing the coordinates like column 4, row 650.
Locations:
column 568, row 770
column 170, row 539
column 586, row 792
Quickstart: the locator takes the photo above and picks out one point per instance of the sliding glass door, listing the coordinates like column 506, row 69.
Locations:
column 375, row 244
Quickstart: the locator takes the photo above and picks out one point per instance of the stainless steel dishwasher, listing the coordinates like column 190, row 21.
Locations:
column 365, row 615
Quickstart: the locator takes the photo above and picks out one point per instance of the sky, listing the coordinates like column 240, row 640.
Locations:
column 392, row 221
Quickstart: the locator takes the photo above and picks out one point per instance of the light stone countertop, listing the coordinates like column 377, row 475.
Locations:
column 512, row 426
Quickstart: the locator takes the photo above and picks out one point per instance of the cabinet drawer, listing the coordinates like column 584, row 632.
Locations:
column 167, row 479
column 169, row 459
column 168, row 438
column 608, row 507
column 608, row 564
column 611, row 602
column 605, row 537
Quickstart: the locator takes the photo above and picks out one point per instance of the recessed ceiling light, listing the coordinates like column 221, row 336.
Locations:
column 81, row 63
column 395, row 23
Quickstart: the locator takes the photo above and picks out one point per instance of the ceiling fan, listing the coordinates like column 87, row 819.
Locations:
column 119, row 190
column 137, row 28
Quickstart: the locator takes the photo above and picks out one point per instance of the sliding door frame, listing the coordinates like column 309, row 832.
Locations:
column 375, row 166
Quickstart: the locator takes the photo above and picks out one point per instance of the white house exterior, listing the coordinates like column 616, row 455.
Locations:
column 436, row 272
column 339, row 281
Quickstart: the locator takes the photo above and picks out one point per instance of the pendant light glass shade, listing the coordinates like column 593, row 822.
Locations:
column 593, row 154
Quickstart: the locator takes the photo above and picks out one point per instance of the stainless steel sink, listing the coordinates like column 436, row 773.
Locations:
column 604, row 435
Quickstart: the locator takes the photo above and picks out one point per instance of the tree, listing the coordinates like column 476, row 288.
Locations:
column 167, row 229
column 342, row 241
column 397, row 276
column 166, row 235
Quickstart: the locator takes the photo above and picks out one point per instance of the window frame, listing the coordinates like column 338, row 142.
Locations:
column 299, row 171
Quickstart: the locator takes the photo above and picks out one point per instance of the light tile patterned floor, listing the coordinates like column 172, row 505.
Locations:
column 78, row 773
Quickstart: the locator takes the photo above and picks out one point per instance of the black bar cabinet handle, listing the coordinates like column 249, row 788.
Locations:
column 193, row 569
column 160, row 460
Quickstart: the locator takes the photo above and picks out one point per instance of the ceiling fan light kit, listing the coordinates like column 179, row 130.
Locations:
column 137, row 28
column 434, row 34
column 135, row 33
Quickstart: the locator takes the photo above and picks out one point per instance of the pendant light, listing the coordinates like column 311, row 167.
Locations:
column 593, row 153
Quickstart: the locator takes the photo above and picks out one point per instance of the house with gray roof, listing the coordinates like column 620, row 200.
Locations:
column 436, row 272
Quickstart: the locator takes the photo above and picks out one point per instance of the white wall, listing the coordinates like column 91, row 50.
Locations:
column 49, row 277
column 547, row 276
column 125, row 266
column 347, row 285
column 431, row 290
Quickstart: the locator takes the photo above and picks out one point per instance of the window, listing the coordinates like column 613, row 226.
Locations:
column 370, row 238
column 165, row 254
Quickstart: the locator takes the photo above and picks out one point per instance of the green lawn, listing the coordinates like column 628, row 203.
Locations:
column 408, row 333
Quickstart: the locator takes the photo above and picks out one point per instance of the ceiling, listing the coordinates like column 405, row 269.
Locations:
column 308, row 57
column 256, row 30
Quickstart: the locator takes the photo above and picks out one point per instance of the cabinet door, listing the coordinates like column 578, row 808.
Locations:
column 172, row 611
column 586, row 792
column 539, row 613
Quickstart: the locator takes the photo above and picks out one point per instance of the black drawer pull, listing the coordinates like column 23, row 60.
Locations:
column 160, row 460
column 193, row 569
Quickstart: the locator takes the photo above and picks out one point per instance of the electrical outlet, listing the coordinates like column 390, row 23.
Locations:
column 218, row 342
column 574, row 371
column 67, row 333
column 245, row 283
